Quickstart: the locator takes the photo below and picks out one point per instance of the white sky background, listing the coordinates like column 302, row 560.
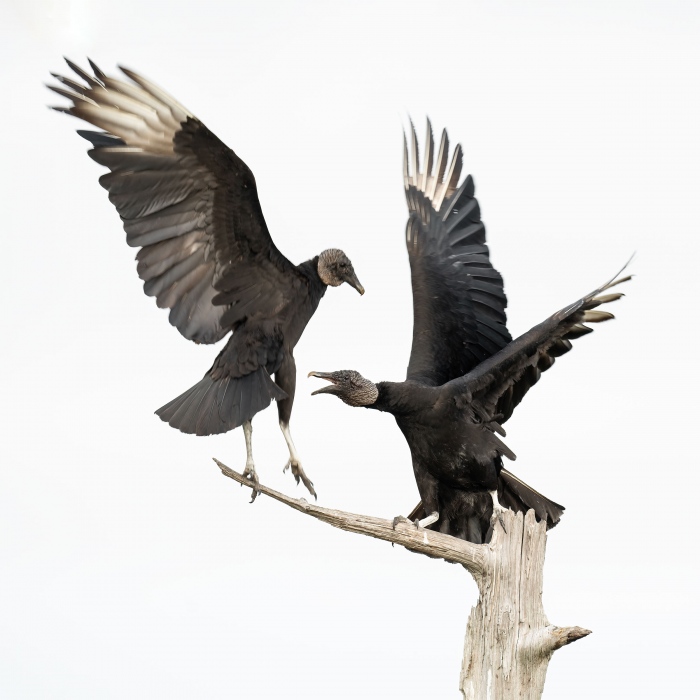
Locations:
column 130, row 567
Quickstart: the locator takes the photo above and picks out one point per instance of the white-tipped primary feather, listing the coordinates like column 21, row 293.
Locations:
column 436, row 181
column 591, row 316
column 129, row 127
column 440, row 165
column 179, row 112
column 443, row 190
column 129, row 105
column 140, row 95
column 414, row 153
column 428, row 157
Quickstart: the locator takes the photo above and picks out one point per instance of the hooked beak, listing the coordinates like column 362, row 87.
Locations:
column 328, row 376
column 355, row 283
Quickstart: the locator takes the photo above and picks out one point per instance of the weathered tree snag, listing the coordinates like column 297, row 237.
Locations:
column 509, row 640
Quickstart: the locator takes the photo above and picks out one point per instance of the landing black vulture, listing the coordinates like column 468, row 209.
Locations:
column 191, row 205
column 465, row 375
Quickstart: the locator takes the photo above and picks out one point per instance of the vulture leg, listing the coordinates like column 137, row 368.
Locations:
column 498, row 511
column 428, row 520
column 249, row 471
column 428, row 489
column 294, row 461
column 286, row 379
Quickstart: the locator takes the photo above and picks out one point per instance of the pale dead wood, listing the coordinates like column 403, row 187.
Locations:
column 406, row 534
column 509, row 641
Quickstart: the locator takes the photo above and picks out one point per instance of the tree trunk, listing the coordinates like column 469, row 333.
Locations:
column 509, row 640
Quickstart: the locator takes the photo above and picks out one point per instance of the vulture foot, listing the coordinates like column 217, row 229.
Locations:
column 299, row 474
column 250, row 473
column 498, row 511
column 399, row 519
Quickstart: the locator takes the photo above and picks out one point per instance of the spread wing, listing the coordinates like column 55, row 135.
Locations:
column 458, row 302
column 498, row 385
column 187, row 200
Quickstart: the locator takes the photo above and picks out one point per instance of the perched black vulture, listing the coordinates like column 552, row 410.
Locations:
column 191, row 205
column 465, row 375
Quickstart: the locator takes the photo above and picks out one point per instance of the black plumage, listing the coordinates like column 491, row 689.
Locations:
column 191, row 205
column 465, row 374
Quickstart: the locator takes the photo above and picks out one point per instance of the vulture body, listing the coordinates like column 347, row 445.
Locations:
column 465, row 375
column 191, row 205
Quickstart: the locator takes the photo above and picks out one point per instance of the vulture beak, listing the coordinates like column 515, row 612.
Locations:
column 355, row 283
column 328, row 376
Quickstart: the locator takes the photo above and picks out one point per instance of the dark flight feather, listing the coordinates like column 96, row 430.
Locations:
column 171, row 177
column 458, row 300
column 191, row 205
column 499, row 383
column 465, row 375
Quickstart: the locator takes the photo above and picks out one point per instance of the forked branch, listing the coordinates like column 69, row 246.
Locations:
column 509, row 641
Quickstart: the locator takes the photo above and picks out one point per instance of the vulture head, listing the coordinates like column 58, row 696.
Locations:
column 349, row 386
column 334, row 268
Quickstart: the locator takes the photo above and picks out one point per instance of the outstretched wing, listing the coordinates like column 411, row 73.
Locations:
column 498, row 385
column 458, row 302
column 187, row 200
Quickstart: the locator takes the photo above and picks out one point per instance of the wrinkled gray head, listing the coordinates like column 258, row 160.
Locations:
column 349, row 386
column 334, row 268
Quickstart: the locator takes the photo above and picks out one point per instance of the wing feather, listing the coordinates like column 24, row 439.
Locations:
column 499, row 383
column 187, row 200
column 458, row 300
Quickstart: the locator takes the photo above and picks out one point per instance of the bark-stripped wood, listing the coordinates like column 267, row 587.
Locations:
column 509, row 641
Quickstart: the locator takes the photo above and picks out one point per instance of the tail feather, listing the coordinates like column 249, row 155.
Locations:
column 218, row 405
column 518, row 496
column 512, row 493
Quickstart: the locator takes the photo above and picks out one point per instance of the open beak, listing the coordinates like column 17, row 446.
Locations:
column 354, row 282
column 328, row 376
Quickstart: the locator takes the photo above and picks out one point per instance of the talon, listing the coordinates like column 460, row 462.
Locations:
column 498, row 511
column 299, row 475
column 250, row 473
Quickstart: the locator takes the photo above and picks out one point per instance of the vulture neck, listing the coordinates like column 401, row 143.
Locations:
column 317, row 287
column 395, row 398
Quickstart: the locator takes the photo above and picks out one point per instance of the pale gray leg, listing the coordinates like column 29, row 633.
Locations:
column 428, row 520
column 294, row 461
column 249, row 471
column 498, row 511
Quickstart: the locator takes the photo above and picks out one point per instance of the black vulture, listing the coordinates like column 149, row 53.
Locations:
column 191, row 205
column 465, row 375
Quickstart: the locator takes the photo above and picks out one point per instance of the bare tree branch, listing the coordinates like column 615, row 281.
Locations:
column 509, row 640
column 434, row 544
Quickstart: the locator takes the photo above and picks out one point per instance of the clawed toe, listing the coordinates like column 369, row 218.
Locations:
column 399, row 519
column 250, row 473
column 498, row 511
column 299, row 475
column 498, row 515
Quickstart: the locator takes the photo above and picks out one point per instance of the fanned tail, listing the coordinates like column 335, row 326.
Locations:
column 520, row 497
column 218, row 405
column 512, row 493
